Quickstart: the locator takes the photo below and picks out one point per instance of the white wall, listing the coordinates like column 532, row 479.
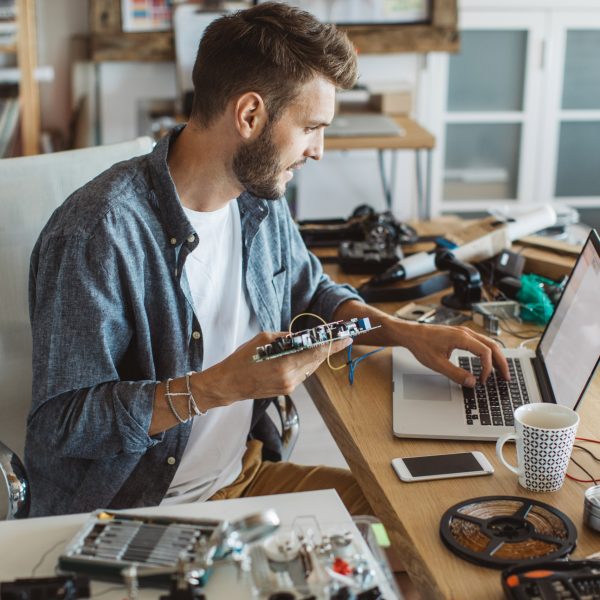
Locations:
column 343, row 180
column 122, row 86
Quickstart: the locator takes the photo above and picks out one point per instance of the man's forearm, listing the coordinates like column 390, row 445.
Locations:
column 392, row 330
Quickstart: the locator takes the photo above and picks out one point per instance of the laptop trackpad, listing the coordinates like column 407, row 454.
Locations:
column 426, row 387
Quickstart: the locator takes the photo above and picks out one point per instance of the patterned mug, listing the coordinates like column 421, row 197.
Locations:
column 544, row 436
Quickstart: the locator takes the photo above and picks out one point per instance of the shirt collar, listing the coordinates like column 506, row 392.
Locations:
column 253, row 210
column 176, row 223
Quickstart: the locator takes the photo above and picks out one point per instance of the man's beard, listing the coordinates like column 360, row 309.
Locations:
column 257, row 167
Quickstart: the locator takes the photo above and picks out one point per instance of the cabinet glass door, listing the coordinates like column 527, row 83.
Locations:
column 578, row 144
column 581, row 81
column 482, row 160
column 488, row 73
column 484, row 115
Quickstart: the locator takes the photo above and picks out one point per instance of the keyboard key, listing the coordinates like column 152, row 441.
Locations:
column 494, row 401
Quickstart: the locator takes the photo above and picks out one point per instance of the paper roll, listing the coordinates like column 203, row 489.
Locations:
column 539, row 218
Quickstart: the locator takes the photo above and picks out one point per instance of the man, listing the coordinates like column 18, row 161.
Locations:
column 152, row 286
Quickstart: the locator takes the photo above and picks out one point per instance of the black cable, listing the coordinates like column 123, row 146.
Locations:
column 43, row 557
column 591, row 477
column 498, row 340
column 522, row 335
column 588, row 451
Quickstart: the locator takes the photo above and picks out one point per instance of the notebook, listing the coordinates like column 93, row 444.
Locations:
column 428, row 405
column 363, row 124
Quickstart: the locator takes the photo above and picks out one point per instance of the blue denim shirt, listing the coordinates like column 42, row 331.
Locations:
column 111, row 316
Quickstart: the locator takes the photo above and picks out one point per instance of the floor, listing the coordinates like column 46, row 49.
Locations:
column 315, row 445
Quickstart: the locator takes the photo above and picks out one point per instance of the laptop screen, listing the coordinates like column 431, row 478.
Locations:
column 570, row 346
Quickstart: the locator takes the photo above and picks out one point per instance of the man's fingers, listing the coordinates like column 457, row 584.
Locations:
column 480, row 349
column 457, row 374
column 498, row 357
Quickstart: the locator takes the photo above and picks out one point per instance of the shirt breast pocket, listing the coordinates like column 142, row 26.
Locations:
column 279, row 285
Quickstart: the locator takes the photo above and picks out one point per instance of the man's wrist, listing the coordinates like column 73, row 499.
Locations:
column 207, row 393
column 398, row 332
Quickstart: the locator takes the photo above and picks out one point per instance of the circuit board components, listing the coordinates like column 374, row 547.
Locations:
column 310, row 338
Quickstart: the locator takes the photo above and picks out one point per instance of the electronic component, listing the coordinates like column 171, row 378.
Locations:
column 112, row 541
column 464, row 277
column 553, row 580
column 42, row 588
column 489, row 314
column 307, row 562
column 504, row 309
column 490, row 323
column 430, row 313
column 501, row 531
column 591, row 507
column 508, row 264
column 368, row 257
column 310, row 338
column 363, row 225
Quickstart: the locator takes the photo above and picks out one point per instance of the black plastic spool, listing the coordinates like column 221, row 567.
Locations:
column 506, row 528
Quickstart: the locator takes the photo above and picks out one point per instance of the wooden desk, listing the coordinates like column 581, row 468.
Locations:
column 360, row 419
column 415, row 138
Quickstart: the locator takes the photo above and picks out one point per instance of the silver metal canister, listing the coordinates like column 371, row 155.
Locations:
column 591, row 507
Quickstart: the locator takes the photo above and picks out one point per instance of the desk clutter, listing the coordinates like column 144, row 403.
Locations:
column 475, row 255
column 529, row 540
column 270, row 562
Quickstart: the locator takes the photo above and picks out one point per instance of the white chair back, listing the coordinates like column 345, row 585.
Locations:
column 31, row 188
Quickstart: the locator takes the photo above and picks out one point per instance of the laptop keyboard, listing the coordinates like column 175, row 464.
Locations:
column 495, row 402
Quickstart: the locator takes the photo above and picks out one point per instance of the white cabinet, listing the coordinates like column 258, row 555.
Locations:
column 517, row 111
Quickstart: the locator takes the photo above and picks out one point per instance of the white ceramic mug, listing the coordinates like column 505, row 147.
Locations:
column 544, row 436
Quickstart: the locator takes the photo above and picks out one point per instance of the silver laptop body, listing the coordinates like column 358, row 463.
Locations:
column 428, row 405
column 363, row 124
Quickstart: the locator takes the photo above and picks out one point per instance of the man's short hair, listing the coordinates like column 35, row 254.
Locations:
column 271, row 49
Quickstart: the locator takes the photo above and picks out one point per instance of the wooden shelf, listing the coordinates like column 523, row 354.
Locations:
column 108, row 42
column 29, row 95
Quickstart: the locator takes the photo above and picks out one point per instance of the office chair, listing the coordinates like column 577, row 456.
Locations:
column 32, row 188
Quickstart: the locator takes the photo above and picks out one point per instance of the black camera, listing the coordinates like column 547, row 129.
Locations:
column 368, row 257
column 364, row 225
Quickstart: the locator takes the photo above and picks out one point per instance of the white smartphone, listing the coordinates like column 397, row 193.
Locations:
column 442, row 466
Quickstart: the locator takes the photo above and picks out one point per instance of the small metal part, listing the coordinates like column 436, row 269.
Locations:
column 591, row 507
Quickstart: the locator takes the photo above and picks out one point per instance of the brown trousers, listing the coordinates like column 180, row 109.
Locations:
column 262, row 478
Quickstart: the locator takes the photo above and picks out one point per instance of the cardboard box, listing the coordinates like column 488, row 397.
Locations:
column 392, row 102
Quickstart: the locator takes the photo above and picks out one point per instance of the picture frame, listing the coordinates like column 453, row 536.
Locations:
column 146, row 15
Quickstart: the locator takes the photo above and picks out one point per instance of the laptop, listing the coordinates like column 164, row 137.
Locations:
column 428, row 405
column 363, row 125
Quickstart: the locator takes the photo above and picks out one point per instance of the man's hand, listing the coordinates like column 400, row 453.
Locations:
column 433, row 344
column 238, row 377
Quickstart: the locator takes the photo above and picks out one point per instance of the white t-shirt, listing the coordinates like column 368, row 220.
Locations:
column 213, row 456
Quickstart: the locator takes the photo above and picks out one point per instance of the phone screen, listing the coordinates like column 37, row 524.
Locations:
column 444, row 464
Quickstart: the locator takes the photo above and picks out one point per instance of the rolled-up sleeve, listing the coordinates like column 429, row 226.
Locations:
column 82, row 314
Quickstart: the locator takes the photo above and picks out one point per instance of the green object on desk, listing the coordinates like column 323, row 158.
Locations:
column 536, row 306
column 381, row 535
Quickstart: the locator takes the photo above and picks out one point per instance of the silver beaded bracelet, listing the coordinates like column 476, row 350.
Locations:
column 169, row 395
column 192, row 406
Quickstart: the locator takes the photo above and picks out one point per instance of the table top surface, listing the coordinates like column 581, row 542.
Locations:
column 415, row 137
column 360, row 419
column 32, row 546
